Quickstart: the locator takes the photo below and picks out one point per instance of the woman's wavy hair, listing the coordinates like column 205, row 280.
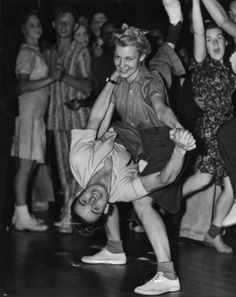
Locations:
column 23, row 19
column 83, row 227
column 132, row 36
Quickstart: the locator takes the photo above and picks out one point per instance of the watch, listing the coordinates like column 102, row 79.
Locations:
column 108, row 79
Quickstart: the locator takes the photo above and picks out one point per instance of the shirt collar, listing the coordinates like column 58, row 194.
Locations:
column 141, row 74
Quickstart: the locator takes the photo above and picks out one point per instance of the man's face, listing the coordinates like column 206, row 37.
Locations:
column 127, row 60
column 91, row 203
column 107, row 33
column 64, row 25
column 232, row 11
column 97, row 21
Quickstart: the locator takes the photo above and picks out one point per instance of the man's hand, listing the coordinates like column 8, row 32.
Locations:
column 173, row 9
column 183, row 139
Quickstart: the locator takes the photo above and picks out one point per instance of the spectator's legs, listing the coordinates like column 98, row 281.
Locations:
column 22, row 219
column 62, row 146
column 223, row 204
column 21, row 180
column 69, row 186
column 227, row 147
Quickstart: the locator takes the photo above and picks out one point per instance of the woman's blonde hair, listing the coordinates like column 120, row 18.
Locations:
column 131, row 36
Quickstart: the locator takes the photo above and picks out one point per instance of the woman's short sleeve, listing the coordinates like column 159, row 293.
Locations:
column 25, row 61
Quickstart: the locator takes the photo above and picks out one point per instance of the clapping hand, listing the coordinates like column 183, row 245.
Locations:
column 57, row 72
column 183, row 139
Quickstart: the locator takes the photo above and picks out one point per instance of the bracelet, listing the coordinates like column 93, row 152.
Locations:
column 108, row 79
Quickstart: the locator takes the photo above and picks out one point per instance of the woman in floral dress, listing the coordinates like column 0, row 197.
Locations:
column 213, row 84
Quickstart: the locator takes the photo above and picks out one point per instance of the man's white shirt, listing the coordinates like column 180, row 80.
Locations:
column 87, row 156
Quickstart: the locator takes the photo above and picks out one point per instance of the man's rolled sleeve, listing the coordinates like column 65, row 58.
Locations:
column 134, row 190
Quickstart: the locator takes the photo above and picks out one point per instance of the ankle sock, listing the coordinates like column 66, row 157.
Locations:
column 214, row 230
column 115, row 247
column 168, row 269
column 22, row 212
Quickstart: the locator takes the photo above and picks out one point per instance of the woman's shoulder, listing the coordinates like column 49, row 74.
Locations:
column 26, row 52
column 151, row 79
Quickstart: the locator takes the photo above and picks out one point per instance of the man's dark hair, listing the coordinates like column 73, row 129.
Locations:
column 65, row 9
column 82, row 226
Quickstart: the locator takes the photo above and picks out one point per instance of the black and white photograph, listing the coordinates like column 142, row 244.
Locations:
column 117, row 148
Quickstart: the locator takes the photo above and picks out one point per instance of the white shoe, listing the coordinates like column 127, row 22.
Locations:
column 230, row 219
column 14, row 219
column 105, row 257
column 29, row 225
column 159, row 284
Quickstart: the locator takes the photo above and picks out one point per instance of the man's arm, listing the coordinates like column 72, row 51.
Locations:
column 166, row 61
column 173, row 10
column 219, row 15
column 101, row 107
column 184, row 141
column 81, row 84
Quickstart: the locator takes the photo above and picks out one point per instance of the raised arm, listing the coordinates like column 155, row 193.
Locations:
column 220, row 16
column 173, row 10
column 199, row 50
column 166, row 62
column 184, row 141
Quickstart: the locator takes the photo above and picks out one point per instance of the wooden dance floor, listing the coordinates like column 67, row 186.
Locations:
column 48, row 265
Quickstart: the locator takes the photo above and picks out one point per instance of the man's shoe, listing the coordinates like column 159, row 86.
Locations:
column 217, row 243
column 230, row 219
column 159, row 284
column 105, row 257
